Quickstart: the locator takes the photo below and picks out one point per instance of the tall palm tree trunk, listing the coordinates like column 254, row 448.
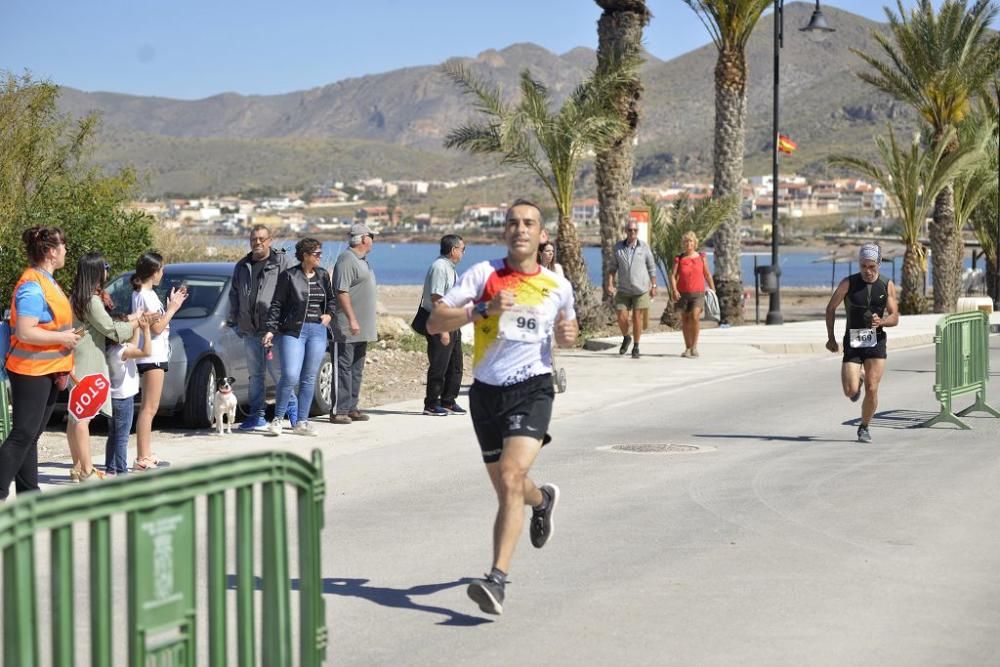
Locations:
column 946, row 259
column 571, row 257
column 730, row 140
column 911, row 301
column 619, row 33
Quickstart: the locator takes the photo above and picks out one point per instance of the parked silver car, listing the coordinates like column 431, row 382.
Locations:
column 203, row 348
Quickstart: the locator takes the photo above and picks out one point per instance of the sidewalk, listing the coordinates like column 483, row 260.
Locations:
column 598, row 377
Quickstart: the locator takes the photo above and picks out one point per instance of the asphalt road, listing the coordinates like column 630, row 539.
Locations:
column 779, row 541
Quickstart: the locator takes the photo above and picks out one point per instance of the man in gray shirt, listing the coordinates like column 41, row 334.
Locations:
column 444, row 351
column 633, row 267
column 354, row 326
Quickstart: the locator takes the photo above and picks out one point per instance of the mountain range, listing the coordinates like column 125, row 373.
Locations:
column 392, row 124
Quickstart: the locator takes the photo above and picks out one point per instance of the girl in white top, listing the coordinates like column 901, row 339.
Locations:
column 148, row 274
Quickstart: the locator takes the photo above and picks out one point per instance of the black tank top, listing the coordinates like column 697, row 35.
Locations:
column 863, row 299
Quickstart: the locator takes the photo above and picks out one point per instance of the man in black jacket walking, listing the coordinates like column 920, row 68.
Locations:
column 250, row 293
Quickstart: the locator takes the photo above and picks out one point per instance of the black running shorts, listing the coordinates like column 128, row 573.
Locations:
column 522, row 409
column 857, row 355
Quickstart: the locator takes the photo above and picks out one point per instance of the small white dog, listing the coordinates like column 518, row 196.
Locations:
column 224, row 405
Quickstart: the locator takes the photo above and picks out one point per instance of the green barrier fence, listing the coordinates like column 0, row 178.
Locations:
column 4, row 410
column 160, row 552
column 962, row 364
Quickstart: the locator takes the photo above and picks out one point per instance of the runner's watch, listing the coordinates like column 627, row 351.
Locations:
column 482, row 309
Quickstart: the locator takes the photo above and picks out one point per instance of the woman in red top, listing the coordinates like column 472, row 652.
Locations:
column 687, row 289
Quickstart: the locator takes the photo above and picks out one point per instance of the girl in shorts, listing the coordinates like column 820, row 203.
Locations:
column 152, row 368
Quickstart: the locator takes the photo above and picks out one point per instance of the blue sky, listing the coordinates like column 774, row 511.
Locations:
column 191, row 49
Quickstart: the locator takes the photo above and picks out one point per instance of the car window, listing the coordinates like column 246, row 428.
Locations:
column 204, row 293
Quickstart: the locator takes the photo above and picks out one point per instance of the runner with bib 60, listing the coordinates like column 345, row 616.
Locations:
column 870, row 302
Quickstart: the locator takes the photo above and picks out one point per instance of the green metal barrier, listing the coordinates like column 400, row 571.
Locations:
column 962, row 364
column 4, row 410
column 160, row 516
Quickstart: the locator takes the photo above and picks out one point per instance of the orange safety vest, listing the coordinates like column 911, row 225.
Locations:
column 40, row 360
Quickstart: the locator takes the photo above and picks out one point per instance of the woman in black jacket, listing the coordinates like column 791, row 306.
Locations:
column 300, row 312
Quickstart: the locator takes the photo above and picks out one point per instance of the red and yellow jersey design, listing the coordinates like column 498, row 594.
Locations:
column 517, row 345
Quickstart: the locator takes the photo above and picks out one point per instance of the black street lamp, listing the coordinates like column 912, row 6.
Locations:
column 818, row 30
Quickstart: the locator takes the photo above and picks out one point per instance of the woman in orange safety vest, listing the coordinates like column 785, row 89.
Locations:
column 40, row 358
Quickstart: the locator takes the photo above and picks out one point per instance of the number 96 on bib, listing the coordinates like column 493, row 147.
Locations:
column 525, row 324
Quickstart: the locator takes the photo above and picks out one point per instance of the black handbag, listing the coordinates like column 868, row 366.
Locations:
column 419, row 323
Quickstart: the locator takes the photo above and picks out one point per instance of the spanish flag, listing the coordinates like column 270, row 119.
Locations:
column 786, row 145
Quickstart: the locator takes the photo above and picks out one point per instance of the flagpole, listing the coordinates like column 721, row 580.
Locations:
column 774, row 315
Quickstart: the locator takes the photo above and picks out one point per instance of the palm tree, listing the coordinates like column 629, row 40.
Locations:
column 730, row 23
column 913, row 178
column 551, row 144
column 985, row 215
column 667, row 226
column 619, row 36
column 976, row 185
column 938, row 62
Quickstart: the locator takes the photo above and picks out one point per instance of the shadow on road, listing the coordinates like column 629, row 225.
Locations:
column 896, row 419
column 398, row 598
column 775, row 438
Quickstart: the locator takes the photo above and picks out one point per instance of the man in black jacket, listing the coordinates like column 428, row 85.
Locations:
column 250, row 294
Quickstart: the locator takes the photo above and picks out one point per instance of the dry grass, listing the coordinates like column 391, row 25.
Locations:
column 176, row 246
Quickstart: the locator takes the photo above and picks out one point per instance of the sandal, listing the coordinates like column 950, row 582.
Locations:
column 74, row 474
column 93, row 475
column 145, row 463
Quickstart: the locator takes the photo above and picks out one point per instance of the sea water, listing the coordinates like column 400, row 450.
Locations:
column 407, row 263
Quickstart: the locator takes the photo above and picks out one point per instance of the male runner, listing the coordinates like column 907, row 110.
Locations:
column 517, row 307
column 870, row 301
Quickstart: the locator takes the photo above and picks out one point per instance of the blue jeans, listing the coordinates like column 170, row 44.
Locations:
column 300, row 360
column 119, row 427
column 257, row 363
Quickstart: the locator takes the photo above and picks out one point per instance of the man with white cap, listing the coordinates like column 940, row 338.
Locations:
column 355, row 326
column 870, row 303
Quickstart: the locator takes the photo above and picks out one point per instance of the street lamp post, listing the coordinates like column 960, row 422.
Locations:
column 818, row 30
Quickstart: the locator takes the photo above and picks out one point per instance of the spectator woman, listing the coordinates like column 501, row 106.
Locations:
column 687, row 289
column 152, row 369
column 547, row 258
column 40, row 357
column 300, row 313
column 90, row 313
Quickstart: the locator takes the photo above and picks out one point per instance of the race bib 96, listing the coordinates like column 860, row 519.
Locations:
column 525, row 324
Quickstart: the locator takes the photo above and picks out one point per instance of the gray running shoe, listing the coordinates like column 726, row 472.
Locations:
column 863, row 434
column 488, row 594
column 626, row 341
column 542, row 527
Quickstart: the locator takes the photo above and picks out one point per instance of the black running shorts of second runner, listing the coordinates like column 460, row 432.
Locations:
column 522, row 409
column 858, row 355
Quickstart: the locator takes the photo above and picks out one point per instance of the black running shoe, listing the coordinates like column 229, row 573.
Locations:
column 856, row 395
column 626, row 341
column 542, row 525
column 488, row 594
column 863, row 434
column 635, row 351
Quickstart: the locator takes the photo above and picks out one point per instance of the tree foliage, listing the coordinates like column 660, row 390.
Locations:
column 913, row 178
column 551, row 143
column 44, row 180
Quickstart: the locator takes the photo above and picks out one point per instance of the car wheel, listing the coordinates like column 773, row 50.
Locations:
column 200, row 396
column 323, row 398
